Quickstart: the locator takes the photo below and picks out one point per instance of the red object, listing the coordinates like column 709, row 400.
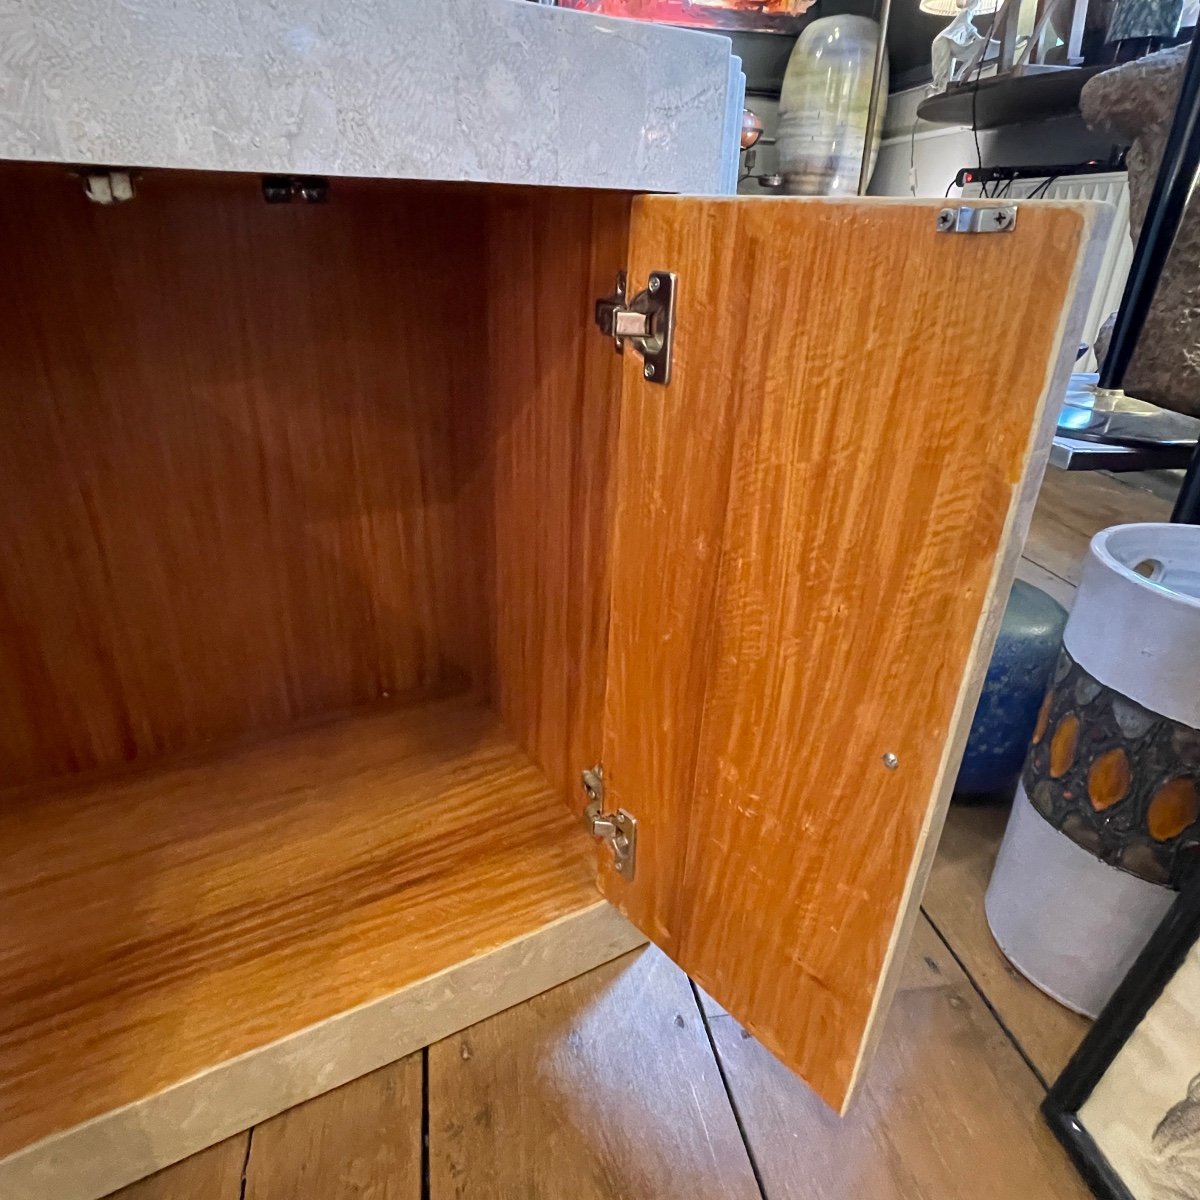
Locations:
column 771, row 16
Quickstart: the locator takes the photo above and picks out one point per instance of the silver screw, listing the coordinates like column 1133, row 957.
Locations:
column 649, row 371
column 890, row 761
column 654, row 282
column 945, row 218
column 1003, row 216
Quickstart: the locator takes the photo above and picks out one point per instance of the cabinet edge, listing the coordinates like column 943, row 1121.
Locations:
column 118, row 1148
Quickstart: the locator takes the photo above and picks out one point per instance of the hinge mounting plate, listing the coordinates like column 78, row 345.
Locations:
column 647, row 322
column 977, row 218
column 619, row 829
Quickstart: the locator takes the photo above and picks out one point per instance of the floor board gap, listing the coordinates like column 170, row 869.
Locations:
column 1008, row 1033
column 426, row 1186
column 246, row 1163
column 737, row 1116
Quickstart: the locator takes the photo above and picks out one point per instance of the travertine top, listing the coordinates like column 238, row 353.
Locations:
column 491, row 90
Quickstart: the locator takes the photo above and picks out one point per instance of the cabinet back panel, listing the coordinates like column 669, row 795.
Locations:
column 227, row 463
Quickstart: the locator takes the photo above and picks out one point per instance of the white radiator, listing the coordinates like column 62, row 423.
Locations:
column 1114, row 188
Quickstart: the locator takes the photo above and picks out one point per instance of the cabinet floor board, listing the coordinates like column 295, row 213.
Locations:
column 162, row 922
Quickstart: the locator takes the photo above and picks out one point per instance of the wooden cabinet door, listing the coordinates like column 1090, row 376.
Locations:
column 816, row 525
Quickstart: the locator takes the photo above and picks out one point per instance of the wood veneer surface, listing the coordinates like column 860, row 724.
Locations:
column 540, row 441
column 227, row 471
column 161, row 922
column 808, row 524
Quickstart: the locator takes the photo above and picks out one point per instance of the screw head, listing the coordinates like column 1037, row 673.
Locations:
column 654, row 283
column 945, row 219
column 1002, row 217
column 648, row 372
column 890, row 761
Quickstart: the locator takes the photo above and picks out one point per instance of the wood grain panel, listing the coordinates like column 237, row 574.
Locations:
column 1048, row 1032
column 604, row 1087
column 361, row 1141
column 163, row 921
column 540, row 443
column 226, row 465
column 947, row 1108
column 813, row 522
column 213, row 1174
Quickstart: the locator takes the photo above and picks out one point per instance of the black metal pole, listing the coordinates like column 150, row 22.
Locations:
column 1187, row 502
column 1172, row 187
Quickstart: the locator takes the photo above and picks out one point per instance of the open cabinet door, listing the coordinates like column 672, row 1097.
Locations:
column 816, row 525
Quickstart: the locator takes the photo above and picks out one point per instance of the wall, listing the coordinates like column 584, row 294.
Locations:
column 917, row 158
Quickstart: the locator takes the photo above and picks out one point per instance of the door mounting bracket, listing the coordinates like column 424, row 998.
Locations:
column 977, row 218
column 618, row 829
column 647, row 322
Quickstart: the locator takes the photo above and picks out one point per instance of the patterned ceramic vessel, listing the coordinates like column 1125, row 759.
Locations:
column 1106, row 823
column 823, row 107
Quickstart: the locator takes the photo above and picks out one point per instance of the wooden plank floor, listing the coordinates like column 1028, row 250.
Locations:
column 629, row 1084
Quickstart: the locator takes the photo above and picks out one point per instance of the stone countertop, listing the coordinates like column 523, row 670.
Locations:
column 488, row 90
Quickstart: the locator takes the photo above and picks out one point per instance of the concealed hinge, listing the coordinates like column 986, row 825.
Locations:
column 647, row 322
column 977, row 218
column 618, row 829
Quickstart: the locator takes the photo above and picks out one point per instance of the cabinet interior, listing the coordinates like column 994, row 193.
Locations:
column 304, row 519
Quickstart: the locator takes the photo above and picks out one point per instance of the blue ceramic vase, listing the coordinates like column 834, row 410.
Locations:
column 1016, row 681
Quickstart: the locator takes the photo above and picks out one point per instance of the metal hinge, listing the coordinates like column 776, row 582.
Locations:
column 647, row 322
column 619, row 829
column 978, row 218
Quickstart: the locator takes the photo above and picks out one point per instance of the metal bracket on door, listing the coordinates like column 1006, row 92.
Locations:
column 619, row 829
column 647, row 322
column 977, row 218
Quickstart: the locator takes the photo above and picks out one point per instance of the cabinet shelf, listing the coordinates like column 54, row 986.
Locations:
column 159, row 922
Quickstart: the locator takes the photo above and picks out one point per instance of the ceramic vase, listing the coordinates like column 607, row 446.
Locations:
column 1106, row 821
column 1025, row 653
column 823, row 107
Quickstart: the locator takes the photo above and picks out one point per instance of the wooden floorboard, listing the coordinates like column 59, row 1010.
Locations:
column 213, row 1174
column 1074, row 505
column 605, row 1088
column 947, row 1109
column 1047, row 1032
column 361, row 1141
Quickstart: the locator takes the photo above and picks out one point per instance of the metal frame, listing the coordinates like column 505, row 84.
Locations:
column 1131, row 1002
column 884, row 19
